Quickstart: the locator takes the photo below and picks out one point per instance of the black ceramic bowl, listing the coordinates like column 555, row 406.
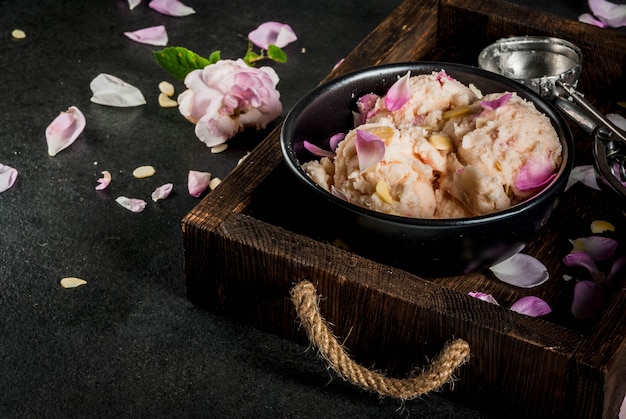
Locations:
column 428, row 247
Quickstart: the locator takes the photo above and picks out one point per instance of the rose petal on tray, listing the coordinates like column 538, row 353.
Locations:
column 112, row 91
column 521, row 270
column 171, row 8
column 153, row 35
column 531, row 306
column 64, row 130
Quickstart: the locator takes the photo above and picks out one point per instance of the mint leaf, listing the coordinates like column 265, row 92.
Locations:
column 276, row 54
column 179, row 61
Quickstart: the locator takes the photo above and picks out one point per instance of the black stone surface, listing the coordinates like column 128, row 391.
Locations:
column 128, row 344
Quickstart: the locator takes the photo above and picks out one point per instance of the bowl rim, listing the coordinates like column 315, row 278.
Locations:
column 426, row 67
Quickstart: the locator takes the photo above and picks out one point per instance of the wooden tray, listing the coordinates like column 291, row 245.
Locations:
column 249, row 241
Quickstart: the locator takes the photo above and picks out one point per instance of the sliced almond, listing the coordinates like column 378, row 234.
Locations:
column 383, row 192
column 167, row 88
column 601, row 226
column 72, row 282
column 214, row 182
column 451, row 113
column 166, row 102
column 143, row 172
column 219, row 148
column 384, row 133
column 440, row 142
column 18, row 34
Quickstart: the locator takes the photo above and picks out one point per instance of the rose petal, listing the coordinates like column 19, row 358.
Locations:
column 583, row 260
column 599, row 248
column 133, row 3
column 272, row 33
column 521, row 270
column 162, row 192
column 369, row 149
column 483, row 296
column 614, row 15
column 197, row 182
column 131, row 204
column 317, row 151
column 492, row 105
column 335, row 140
column 586, row 174
column 531, row 306
column 588, row 299
column 617, row 269
column 154, row 35
column 113, row 91
column 171, row 8
column 367, row 106
column 8, row 175
column 399, row 94
column 536, row 173
column 64, row 130
column 591, row 20
column 622, row 410
column 104, row 181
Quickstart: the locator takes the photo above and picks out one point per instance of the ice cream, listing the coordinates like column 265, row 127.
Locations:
column 433, row 147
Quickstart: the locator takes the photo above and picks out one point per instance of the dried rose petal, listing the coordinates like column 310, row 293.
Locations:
column 113, row 91
column 8, row 175
column 591, row 20
column 483, row 296
column 370, row 149
column 598, row 247
column 521, row 270
column 162, row 192
column 588, row 299
column 531, row 306
column 614, row 15
column 584, row 260
column 171, row 8
column 153, row 35
column 272, row 33
column 64, row 130
column 197, row 182
column 537, row 172
column 492, row 105
column 586, row 174
column 399, row 94
column 131, row 204
column 104, row 181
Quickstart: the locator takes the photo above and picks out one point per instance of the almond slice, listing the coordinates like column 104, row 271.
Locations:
column 72, row 282
column 166, row 102
column 167, row 88
column 219, row 148
column 143, row 172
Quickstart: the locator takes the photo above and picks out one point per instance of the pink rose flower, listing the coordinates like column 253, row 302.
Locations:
column 224, row 98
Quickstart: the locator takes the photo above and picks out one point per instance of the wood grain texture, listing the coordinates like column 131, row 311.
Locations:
column 247, row 243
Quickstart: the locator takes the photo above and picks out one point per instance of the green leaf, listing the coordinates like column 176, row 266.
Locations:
column 214, row 57
column 276, row 54
column 179, row 61
column 251, row 57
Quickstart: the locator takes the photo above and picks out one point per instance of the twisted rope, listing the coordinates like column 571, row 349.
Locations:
column 439, row 372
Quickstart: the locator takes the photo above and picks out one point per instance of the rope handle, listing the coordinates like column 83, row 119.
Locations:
column 438, row 373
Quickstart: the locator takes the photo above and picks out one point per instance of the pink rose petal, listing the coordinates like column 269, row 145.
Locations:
column 367, row 106
column 171, row 8
column 579, row 259
column 131, row 204
column 537, row 172
column 8, row 175
column 317, row 151
column 591, row 20
column 492, row 105
column 399, row 94
column 531, row 306
column 104, row 181
column 112, row 91
column 617, row 269
column 370, row 149
column 483, row 296
column 272, row 33
column 335, row 140
column 154, row 35
column 588, row 300
column 162, row 192
column 64, row 130
column 600, row 248
column 521, row 270
column 586, row 174
column 614, row 15
column 197, row 182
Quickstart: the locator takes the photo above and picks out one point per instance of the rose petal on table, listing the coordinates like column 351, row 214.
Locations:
column 131, row 204
column 536, row 173
column 8, row 175
column 531, row 306
column 370, row 149
column 586, row 174
column 112, row 91
column 272, row 33
column 104, row 181
column 399, row 93
column 521, row 270
column 483, row 296
column 600, row 248
column 588, row 299
column 614, row 15
column 64, row 130
column 162, row 192
column 584, row 260
column 197, row 182
column 171, row 8
column 133, row 3
column 153, row 35
column 591, row 20
column 492, row 105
